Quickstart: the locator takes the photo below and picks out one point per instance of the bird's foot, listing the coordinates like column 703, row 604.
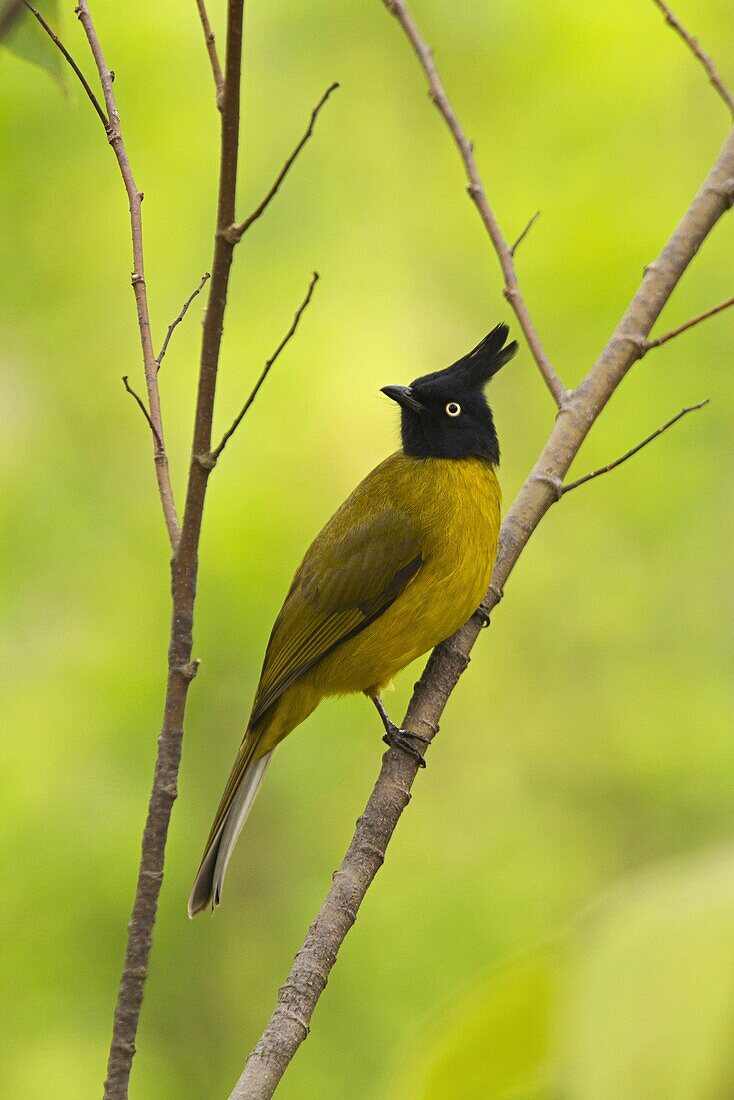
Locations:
column 483, row 615
column 403, row 740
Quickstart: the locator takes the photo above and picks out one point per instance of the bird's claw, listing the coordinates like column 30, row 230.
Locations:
column 401, row 739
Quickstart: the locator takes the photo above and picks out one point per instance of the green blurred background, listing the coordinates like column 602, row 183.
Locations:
column 555, row 916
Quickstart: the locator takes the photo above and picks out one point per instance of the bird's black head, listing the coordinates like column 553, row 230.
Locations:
column 446, row 415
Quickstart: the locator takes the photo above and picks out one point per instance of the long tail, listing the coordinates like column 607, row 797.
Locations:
column 235, row 806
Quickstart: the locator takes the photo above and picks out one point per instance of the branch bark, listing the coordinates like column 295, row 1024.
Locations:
column 695, row 48
column 289, row 1024
column 184, row 568
column 478, row 195
column 236, row 232
column 266, row 370
column 562, row 489
column 135, row 200
column 211, row 50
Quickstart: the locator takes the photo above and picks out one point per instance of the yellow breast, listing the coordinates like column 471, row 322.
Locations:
column 455, row 505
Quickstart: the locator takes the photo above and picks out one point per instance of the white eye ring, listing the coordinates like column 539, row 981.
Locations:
column 453, row 409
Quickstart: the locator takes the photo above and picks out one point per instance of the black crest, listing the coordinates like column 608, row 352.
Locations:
column 445, row 414
column 474, row 370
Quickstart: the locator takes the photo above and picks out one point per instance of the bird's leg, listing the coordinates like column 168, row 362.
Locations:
column 397, row 737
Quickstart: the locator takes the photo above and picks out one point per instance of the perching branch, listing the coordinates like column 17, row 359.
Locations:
column 695, row 48
column 660, row 340
column 478, row 195
column 265, row 371
column 184, row 310
column 211, row 49
column 184, row 568
column 289, row 1024
column 236, row 232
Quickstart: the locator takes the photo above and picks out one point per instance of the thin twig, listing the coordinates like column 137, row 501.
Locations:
column 266, row 370
column 235, row 233
column 211, row 49
column 179, row 319
column 141, row 406
column 512, row 293
column 135, row 199
column 184, row 570
column 628, row 454
column 660, row 340
column 694, row 46
column 299, row 995
column 82, row 79
column 524, row 233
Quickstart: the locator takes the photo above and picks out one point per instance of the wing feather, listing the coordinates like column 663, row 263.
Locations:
column 351, row 574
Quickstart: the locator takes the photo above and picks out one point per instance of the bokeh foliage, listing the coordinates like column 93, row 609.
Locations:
column 590, row 740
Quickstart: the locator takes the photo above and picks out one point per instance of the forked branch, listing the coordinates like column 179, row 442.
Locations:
column 175, row 323
column 560, row 488
column 478, row 195
column 211, row 50
column 236, row 232
column 214, row 457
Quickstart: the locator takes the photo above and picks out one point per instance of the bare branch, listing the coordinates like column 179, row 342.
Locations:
column 695, row 48
column 478, row 195
column 135, row 200
column 524, row 233
column 297, row 998
column 236, row 232
column 628, row 454
column 211, row 49
column 184, row 569
column 266, row 371
column 179, row 319
column 141, row 406
column 82, row 79
column 688, row 324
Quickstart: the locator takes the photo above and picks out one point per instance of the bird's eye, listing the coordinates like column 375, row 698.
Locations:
column 453, row 409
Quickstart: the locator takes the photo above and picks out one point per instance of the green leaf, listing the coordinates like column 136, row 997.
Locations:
column 28, row 40
column 653, row 992
column 493, row 1043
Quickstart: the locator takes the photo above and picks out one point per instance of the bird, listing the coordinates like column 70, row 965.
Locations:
column 400, row 566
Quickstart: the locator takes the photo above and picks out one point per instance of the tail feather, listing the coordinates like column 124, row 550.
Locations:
column 207, row 888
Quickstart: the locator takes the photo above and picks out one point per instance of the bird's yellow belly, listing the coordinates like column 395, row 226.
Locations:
column 461, row 537
column 457, row 503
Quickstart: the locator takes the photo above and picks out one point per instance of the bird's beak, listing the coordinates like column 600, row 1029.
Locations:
column 404, row 397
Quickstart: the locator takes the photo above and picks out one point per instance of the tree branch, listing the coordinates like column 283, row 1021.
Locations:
column 695, row 48
column 60, row 46
column 141, row 405
column 135, row 199
column 211, row 49
column 236, row 232
column 266, row 371
column 478, row 195
column 184, row 310
column 569, row 485
column 524, row 233
column 648, row 344
column 288, row 1026
column 184, row 568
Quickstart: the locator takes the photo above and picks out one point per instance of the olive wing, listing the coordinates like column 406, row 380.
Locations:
column 351, row 574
